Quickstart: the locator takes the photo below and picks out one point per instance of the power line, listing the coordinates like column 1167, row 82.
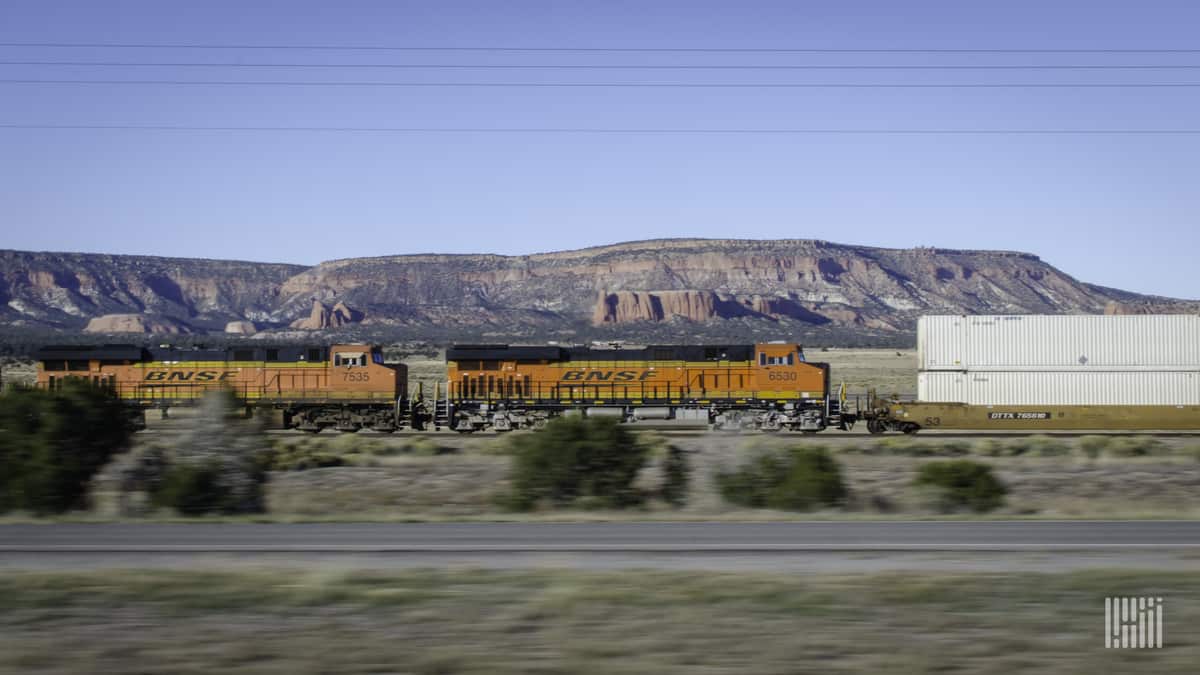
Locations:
column 635, row 85
column 701, row 50
column 607, row 131
column 601, row 66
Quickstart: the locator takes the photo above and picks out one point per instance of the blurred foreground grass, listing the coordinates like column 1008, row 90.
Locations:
column 471, row 621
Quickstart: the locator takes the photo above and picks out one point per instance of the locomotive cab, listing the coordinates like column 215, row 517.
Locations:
column 360, row 368
column 781, row 371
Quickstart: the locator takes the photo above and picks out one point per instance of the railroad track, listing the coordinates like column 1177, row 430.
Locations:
column 688, row 433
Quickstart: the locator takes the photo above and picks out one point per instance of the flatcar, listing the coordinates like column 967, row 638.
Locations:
column 768, row 386
column 346, row 387
column 913, row 416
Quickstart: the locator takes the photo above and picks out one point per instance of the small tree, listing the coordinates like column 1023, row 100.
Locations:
column 675, row 477
column 52, row 443
column 216, row 465
column 962, row 484
column 799, row 479
column 593, row 460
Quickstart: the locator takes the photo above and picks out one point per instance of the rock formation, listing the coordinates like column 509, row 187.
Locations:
column 240, row 328
column 322, row 316
column 1153, row 307
column 134, row 323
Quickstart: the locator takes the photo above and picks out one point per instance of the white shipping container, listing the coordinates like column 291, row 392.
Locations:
column 1061, row 387
column 942, row 386
column 941, row 342
column 1068, row 342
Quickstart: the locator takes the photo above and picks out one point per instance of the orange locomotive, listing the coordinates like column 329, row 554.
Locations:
column 765, row 386
column 347, row 387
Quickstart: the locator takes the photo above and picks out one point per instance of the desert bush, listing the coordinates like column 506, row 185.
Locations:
column 676, row 475
column 1093, row 446
column 912, row 447
column 990, row 447
column 801, row 478
column 419, row 446
column 1135, row 446
column 588, row 462
column 1121, row 446
column 194, row 489
column 1042, row 446
column 218, row 464
column 961, row 484
column 1039, row 445
column 298, row 457
column 52, row 443
column 348, row 444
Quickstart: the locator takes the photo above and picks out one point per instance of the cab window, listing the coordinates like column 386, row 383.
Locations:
column 349, row 360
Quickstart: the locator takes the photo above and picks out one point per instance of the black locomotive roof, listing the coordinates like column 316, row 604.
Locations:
column 504, row 353
column 124, row 352
column 113, row 352
column 552, row 353
column 243, row 353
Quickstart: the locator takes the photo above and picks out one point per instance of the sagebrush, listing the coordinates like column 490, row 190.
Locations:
column 796, row 479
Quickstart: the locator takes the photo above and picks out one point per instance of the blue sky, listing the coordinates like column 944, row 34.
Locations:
column 1115, row 210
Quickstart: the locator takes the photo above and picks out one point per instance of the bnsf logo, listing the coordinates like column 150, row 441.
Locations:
column 189, row 375
column 606, row 376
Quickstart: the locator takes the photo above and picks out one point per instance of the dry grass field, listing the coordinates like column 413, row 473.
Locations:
column 888, row 371
column 324, row 620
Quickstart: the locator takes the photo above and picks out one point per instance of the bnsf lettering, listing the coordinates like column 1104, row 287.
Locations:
column 189, row 375
column 606, row 376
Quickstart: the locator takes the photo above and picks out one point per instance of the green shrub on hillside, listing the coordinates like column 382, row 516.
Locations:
column 962, row 484
column 583, row 461
column 798, row 479
column 52, row 443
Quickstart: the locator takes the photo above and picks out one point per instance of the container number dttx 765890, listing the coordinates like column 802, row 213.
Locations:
column 1018, row 416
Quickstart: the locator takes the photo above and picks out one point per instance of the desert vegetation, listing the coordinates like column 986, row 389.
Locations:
column 587, row 463
column 52, row 443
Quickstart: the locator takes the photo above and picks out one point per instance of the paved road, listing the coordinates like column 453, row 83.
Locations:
column 606, row 537
column 822, row 547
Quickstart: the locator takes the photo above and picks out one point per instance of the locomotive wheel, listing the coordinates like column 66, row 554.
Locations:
column 910, row 429
column 876, row 426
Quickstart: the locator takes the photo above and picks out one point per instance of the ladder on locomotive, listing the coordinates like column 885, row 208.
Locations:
column 838, row 414
column 442, row 410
